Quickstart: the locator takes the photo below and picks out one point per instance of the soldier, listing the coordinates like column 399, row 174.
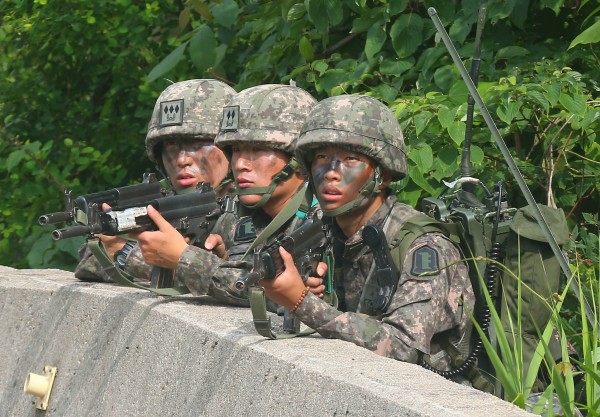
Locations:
column 258, row 133
column 180, row 140
column 352, row 147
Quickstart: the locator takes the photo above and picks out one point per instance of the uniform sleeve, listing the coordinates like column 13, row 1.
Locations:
column 206, row 274
column 88, row 268
column 421, row 306
column 135, row 265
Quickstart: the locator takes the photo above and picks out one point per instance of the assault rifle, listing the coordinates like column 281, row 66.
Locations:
column 306, row 245
column 78, row 210
column 192, row 214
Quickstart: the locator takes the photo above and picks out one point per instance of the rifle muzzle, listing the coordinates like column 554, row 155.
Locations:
column 69, row 232
column 247, row 280
column 53, row 218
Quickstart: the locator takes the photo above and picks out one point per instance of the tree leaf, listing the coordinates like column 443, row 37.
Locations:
column 416, row 175
column 14, row 158
column 555, row 5
column 422, row 155
column 35, row 257
column 574, row 104
column 386, row 93
column 456, row 130
column 508, row 112
column 306, row 49
column 421, row 120
column 375, row 39
column 167, row 64
column 334, row 11
column 317, row 13
column 511, row 52
column 551, row 92
column 406, row 34
column 332, row 79
column 296, row 12
column 590, row 35
column 395, row 67
column 397, row 6
column 226, row 13
column 203, row 48
column 477, row 155
column 539, row 97
column 446, row 116
column 184, row 18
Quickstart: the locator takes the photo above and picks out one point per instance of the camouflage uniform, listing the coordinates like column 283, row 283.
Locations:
column 204, row 273
column 424, row 309
column 269, row 116
column 200, row 102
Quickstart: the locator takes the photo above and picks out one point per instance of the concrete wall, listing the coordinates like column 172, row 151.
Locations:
column 125, row 352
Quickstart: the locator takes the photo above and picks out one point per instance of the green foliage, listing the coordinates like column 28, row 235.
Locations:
column 545, row 108
column 72, row 83
column 573, row 379
column 74, row 110
column 77, row 90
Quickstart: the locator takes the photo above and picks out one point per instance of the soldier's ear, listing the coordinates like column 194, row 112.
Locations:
column 386, row 179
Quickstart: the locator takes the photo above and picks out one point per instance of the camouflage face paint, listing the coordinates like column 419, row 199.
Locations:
column 339, row 175
column 189, row 162
column 349, row 165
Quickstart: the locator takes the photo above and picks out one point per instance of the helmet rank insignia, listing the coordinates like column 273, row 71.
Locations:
column 231, row 118
column 171, row 113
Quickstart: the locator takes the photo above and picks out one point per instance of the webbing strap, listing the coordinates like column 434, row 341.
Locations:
column 262, row 322
column 122, row 277
column 282, row 217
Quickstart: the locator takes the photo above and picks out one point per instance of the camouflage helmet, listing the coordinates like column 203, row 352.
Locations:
column 268, row 115
column 358, row 123
column 187, row 110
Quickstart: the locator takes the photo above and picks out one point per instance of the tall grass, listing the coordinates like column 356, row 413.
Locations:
column 574, row 380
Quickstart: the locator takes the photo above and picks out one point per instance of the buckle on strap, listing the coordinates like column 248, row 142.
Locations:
column 262, row 324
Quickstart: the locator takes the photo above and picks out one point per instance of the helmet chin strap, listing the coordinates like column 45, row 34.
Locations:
column 283, row 175
column 369, row 190
column 227, row 180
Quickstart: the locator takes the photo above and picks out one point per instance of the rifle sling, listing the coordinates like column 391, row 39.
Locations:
column 122, row 277
column 256, row 295
column 282, row 217
column 262, row 322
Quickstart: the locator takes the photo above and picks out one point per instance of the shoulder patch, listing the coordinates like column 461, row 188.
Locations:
column 425, row 259
column 244, row 230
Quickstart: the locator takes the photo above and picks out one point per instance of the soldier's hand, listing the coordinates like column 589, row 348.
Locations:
column 287, row 288
column 162, row 247
column 315, row 284
column 214, row 243
column 112, row 244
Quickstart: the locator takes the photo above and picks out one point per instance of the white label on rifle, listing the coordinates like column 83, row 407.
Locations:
column 126, row 218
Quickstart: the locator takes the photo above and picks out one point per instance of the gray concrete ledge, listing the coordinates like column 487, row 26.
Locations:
column 126, row 352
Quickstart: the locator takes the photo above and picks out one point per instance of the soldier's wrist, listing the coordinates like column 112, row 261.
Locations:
column 122, row 254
